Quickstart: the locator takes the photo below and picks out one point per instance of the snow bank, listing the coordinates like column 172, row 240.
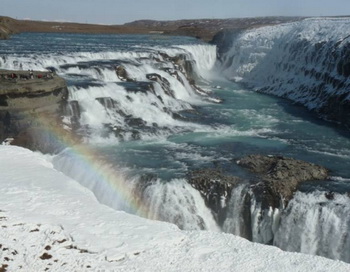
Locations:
column 49, row 222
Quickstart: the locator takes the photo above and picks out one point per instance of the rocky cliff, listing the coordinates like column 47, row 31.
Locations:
column 273, row 183
column 31, row 108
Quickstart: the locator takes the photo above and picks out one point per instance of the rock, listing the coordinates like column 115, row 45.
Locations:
column 215, row 187
column 280, row 176
column 185, row 66
column 123, row 74
column 30, row 108
column 163, row 82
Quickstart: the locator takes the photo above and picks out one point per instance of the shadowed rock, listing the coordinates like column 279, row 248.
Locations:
column 31, row 106
column 215, row 187
column 123, row 74
column 280, row 176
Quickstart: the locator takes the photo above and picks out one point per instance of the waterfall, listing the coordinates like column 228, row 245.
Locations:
column 173, row 201
column 235, row 220
column 246, row 218
column 315, row 224
column 305, row 61
column 177, row 202
column 129, row 95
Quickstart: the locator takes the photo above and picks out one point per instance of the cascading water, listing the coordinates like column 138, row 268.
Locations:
column 315, row 224
column 145, row 106
column 306, row 62
column 174, row 201
column 236, row 218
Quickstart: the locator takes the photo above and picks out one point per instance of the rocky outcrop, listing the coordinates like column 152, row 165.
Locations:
column 279, row 177
column 31, row 109
column 163, row 82
column 123, row 74
column 273, row 183
column 215, row 187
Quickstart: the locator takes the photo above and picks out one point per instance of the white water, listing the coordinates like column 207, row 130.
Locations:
column 316, row 225
column 264, row 222
column 311, row 223
column 302, row 61
column 234, row 222
column 177, row 202
column 154, row 108
column 261, row 224
column 174, row 201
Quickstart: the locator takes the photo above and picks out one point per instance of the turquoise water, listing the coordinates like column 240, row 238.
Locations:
column 245, row 123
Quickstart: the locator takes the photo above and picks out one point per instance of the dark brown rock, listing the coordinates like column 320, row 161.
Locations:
column 215, row 187
column 280, row 176
column 31, row 108
column 123, row 74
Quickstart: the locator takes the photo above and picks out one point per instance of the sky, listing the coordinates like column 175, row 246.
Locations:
column 122, row 11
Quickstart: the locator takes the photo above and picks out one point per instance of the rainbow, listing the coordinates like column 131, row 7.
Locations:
column 113, row 181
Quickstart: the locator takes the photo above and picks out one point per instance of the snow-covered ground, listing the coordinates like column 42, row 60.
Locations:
column 49, row 222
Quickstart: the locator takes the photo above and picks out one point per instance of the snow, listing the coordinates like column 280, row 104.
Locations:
column 303, row 61
column 49, row 222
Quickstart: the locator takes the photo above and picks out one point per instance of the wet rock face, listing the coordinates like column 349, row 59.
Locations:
column 32, row 107
column 215, row 187
column 279, row 176
column 275, row 181
column 123, row 74
column 163, row 82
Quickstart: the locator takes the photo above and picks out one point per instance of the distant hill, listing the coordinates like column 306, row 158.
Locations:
column 204, row 29
column 10, row 26
column 7, row 27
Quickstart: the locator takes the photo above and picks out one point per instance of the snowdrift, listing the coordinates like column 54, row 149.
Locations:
column 49, row 221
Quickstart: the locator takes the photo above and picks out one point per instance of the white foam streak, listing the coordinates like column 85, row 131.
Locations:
column 177, row 202
column 316, row 225
column 234, row 222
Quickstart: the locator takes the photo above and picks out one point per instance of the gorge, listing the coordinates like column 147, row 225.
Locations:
column 167, row 128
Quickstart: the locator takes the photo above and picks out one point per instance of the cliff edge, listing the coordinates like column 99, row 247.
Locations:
column 31, row 107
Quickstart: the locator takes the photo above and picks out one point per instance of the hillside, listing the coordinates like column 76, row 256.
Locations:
column 7, row 27
column 204, row 29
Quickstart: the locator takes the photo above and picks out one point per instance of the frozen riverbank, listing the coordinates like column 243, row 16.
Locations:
column 50, row 222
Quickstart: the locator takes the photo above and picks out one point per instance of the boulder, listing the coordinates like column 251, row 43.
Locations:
column 215, row 187
column 279, row 176
column 123, row 74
